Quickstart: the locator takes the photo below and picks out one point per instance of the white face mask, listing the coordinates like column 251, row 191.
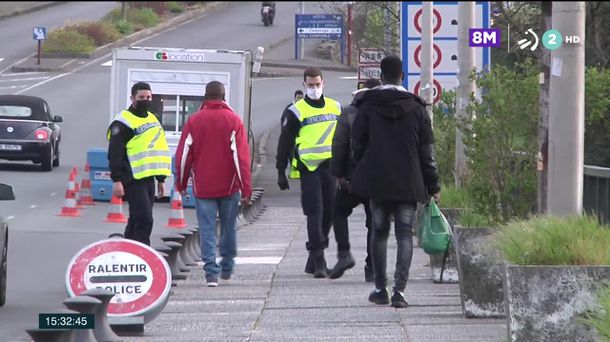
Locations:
column 314, row 93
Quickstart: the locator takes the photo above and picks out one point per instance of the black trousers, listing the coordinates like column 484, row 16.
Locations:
column 317, row 195
column 140, row 194
column 345, row 202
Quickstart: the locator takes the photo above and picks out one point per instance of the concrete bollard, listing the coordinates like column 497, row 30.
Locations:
column 184, row 251
column 102, row 330
column 172, row 260
column 194, row 247
column 163, row 251
column 55, row 335
column 83, row 304
column 181, row 240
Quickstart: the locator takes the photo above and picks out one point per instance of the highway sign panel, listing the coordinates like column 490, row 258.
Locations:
column 323, row 26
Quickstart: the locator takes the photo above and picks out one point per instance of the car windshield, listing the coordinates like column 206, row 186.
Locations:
column 11, row 111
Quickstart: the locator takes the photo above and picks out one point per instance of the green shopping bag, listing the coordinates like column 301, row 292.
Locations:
column 435, row 230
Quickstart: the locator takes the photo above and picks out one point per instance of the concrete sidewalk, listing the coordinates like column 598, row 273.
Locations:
column 9, row 9
column 270, row 298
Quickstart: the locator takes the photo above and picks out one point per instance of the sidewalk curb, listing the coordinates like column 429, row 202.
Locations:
column 134, row 37
column 31, row 9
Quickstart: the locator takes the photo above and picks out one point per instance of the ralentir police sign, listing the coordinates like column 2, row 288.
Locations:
column 136, row 273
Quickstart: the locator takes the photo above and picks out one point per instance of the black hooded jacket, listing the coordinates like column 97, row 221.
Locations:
column 342, row 165
column 392, row 144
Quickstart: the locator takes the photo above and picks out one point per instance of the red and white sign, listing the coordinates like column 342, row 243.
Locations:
column 140, row 277
column 369, row 60
column 441, row 83
column 437, row 55
column 437, row 21
column 444, row 54
column 444, row 19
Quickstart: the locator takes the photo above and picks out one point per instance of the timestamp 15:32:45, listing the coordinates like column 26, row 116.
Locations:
column 65, row 321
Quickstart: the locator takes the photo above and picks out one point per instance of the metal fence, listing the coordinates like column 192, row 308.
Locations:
column 596, row 192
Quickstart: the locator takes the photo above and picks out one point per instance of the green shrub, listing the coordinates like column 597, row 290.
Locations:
column 500, row 138
column 471, row 219
column 597, row 123
column 600, row 318
column 102, row 32
column 69, row 41
column 444, row 136
column 174, row 7
column 143, row 18
column 541, row 240
column 124, row 27
column 452, row 197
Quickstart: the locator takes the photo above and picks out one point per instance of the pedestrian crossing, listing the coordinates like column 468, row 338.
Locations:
column 11, row 83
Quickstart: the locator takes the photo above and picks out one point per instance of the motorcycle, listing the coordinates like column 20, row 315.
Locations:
column 267, row 15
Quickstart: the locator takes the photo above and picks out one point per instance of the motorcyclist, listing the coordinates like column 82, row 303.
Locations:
column 271, row 5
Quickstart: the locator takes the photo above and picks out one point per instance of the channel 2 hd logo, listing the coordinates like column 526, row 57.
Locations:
column 481, row 37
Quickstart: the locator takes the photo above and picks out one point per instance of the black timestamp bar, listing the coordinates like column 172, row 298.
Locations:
column 65, row 321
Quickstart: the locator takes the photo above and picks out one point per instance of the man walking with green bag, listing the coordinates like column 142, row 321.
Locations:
column 392, row 143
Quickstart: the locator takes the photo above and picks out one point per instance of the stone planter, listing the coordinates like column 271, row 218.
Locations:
column 543, row 302
column 450, row 274
column 480, row 272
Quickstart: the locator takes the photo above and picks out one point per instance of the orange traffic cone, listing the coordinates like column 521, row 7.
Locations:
column 85, row 188
column 176, row 218
column 116, row 211
column 70, row 207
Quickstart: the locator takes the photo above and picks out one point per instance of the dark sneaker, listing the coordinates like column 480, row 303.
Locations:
column 211, row 282
column 225, row 276
column 309, row 266
column 368, row 274
column 398, row 300
column 345, row 262
column 378, row 296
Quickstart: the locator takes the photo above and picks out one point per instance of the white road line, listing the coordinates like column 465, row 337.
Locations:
column 1, row 59
column 23, row 73
column 10, row 217
column 33, row 206
column 41, row 83
column 53, row 194
column 14, row 87
column 258, row 260
column 349, row 77
column 25, row 79
column 109, row 63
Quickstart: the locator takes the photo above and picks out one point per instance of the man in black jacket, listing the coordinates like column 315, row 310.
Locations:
column 392, row 143
column 341, row 166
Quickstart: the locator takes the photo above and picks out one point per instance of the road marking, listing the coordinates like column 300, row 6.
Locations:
column 33, row 206
column 10, row 217
column 14, row 87
column 1, row 59
column 25, row 79
column 349, row 77
column 41, row 83
column 23, row 73
column 109, row 63
column 270, row 78
column 53, row 194
column 258, row 260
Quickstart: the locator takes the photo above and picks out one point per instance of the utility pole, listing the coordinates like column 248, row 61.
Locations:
column 302, row 42
column 543, row 121
column 567, row 115
column 465, row 86
column 426, row 84
column 349, row 32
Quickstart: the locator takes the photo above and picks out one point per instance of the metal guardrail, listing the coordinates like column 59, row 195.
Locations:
column 596, row 192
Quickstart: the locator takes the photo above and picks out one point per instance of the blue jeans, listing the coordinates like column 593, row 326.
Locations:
column 207, row 209
column 403, row 214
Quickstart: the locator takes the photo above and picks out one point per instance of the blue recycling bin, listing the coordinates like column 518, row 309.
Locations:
column 99, row 173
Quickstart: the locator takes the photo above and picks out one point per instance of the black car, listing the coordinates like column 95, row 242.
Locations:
column 28, row 131
column 6, row 193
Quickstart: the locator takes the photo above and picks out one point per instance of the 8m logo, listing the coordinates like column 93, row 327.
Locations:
column 480, row 37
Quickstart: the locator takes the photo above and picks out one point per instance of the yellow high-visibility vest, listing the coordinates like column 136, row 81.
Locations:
column 147, row 151
column 314, row 142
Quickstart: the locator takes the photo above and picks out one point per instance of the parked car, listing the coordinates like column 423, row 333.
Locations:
column 6, row 193
column 28, row 131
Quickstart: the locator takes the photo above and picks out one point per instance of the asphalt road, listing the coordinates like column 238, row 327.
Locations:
column 42, row 243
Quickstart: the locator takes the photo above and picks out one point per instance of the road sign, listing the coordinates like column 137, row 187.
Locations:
column 39, row 33
column 139, row 276
column 437, row 90
column 323, row 26
column 445, row 26
column 368, row 63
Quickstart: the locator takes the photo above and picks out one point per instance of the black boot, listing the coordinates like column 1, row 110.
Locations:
column 319, row 262
column 309, row 266
column 345, row 261
column 368, row 274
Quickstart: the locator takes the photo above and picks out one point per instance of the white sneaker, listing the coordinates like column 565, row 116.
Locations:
column 212, row 284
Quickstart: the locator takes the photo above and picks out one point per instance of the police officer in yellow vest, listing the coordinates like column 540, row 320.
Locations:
column 307, row 129
column 137, row 154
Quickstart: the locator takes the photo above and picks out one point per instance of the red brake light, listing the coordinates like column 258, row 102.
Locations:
column 41, row 134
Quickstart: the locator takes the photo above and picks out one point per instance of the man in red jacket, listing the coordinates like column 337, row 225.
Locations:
column 213, row 149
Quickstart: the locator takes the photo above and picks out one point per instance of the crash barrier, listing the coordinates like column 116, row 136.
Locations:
column 84, row 305
column 596, row 190
column 249, row 214
column 170, row 237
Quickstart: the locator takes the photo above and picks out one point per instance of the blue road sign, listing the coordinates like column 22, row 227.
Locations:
column 39, row 33
column 321, row 26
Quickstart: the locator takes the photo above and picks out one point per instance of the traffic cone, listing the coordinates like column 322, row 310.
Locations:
column 70, row 207
column 79, row 204
column 176, row 218
column 85, row 188
column 116, row 211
